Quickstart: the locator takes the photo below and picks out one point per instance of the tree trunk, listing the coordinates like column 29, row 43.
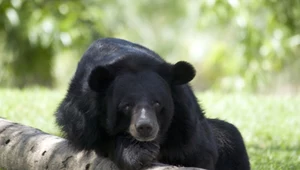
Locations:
column 23, row 147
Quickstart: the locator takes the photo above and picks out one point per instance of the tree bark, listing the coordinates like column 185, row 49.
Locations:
column 27, row 148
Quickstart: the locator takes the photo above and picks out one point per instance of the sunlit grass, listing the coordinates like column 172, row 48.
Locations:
column 269, row 125
column 32, row 107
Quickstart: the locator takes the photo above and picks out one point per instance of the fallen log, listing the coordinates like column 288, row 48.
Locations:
column 27, row 148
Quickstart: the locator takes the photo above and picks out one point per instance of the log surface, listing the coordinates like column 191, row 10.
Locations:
column 27, row 148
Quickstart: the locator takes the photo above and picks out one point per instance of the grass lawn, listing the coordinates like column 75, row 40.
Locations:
column 270, row 125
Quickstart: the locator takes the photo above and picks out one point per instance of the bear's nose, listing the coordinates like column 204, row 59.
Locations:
column 144, row 128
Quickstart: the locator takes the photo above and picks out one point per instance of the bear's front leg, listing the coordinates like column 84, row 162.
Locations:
column 131, row 154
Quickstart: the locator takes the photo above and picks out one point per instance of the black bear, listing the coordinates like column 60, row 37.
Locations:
column 126, row 103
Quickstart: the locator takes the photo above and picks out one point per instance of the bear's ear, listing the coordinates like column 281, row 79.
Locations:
column 100, row 78
column 182, row 73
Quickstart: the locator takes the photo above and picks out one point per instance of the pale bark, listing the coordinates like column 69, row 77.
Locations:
column 27, row 148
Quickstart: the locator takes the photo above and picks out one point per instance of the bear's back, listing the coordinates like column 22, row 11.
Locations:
column 108, row 51
column 113, row 51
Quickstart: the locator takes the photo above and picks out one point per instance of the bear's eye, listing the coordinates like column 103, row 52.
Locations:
column 127, row 108
column 156, row 104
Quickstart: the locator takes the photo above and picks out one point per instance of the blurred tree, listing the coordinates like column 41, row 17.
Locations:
column 235, row 45
column 259, row 39
column 35, row 30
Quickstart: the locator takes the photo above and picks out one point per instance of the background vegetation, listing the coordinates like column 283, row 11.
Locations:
column 235, row 45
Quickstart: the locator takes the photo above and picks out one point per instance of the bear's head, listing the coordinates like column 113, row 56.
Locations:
column 139, row 101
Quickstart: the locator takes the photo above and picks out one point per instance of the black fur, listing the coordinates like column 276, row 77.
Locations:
column 117, row 84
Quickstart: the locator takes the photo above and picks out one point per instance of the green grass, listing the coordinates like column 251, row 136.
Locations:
column 270, row 125
column 32, row 107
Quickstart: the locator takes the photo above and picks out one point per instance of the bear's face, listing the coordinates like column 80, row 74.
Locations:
column 139, row 102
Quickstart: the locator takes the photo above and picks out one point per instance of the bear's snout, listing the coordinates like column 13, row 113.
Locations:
column 144, row 126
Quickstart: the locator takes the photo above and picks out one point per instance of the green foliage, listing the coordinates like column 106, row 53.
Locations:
column 235, row 45
column 34, row 31
column 268, row 124
column 258, row 40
